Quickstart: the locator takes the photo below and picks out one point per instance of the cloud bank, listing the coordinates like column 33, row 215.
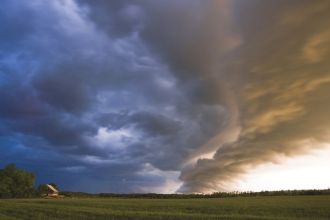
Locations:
column 131, row 96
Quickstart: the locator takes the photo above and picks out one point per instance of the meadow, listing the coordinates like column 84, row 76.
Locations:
column 260, row 207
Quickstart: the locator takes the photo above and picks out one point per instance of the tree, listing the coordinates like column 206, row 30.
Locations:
column 42, row 189
column 15, row 183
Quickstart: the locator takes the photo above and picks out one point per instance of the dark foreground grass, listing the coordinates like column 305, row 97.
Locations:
column 272, row 207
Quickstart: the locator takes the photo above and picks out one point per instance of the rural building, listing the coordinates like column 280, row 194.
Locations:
column 51, row 191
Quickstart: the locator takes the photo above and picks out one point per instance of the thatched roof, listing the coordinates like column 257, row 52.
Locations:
column 52, row 188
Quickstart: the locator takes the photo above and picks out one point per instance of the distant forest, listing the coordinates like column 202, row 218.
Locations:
column 189, row 196
column 17, row 183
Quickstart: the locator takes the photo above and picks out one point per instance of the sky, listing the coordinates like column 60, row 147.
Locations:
column 166, row 96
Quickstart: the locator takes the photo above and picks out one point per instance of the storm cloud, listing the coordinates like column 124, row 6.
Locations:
column 130, row 96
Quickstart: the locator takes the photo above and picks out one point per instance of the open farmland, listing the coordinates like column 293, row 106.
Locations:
column 260, row 207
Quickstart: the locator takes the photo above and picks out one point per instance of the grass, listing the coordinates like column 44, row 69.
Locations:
column 271, row 207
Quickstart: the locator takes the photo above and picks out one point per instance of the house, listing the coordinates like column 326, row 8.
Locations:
column 51, row 191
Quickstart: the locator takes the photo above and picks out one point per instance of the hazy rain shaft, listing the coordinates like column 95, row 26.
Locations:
column 161, row 96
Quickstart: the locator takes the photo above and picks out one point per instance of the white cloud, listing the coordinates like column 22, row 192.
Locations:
column 171, row 182
column 115, row 139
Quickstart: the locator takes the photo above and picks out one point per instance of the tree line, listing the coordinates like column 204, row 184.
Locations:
column 196, row 196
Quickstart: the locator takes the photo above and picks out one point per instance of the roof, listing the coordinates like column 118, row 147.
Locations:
column 52, row 188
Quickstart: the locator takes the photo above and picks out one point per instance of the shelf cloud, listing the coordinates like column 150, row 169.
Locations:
column 162, row 96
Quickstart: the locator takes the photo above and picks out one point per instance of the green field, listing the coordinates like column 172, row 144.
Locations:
column 271, row 207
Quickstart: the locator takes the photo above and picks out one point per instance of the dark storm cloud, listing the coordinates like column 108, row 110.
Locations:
column 125, row 95
column 14, row 29
column 120, row 18
column 152, row 123
column 94, row 93
column 65, row 90
column 18, row 103
column 239, row 46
